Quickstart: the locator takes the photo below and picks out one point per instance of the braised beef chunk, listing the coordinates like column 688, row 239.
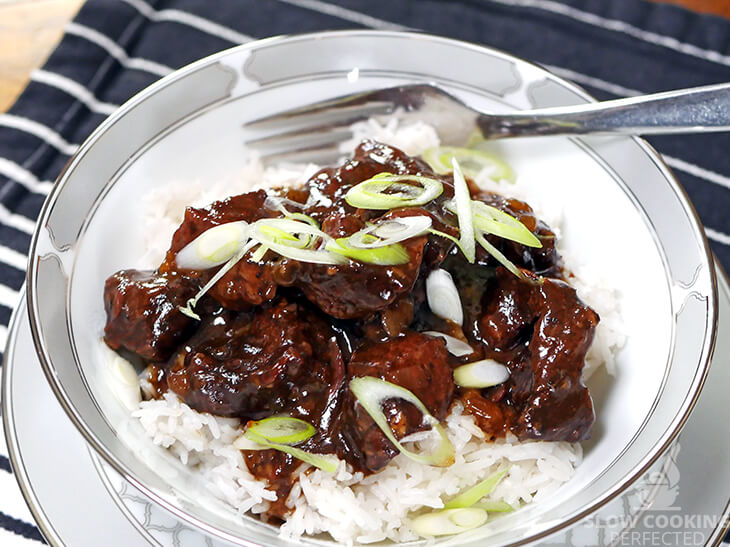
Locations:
column 282, row 358
column 542, row 331
column 142, row 313
column 245, row 285
column 417, row 362
column 356, row 289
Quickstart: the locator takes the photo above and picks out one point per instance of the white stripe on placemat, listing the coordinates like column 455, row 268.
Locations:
column 39, row 130
column 24, row 177
column 697, row 171
column 14, row 220
column 719, row 237
column 116, row 51
column 185, row 18
column 9, row 539
column 597, row 83
column 13, row 503
column 13, row 258
column 74, row 89
column 346, row 14
column 620, row 26
column 8, row 297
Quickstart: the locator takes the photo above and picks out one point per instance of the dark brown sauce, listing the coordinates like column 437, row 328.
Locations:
column 284, row 338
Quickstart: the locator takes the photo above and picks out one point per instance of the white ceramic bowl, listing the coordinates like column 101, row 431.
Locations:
column 624, row 214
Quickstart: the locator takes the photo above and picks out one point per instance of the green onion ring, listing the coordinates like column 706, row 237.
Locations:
column 448, row 522
column 390, row 255
column 389, row 231
column 188, row 308
column 494, row 221
column 473, row 161
column 464, row 213
column 282, row 429
column 325, row 462
column 372, row 193
column 476, row 492
column 372, row 392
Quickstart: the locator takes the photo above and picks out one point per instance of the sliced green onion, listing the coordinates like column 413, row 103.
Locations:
column 381, row 256
column 481, row 374
column 495, row 506
column 474, row 162
column 214, row 246
column 372, row 392
column 388, row 191
column 282, row 429
column 302, row 217
column 497, row 254
column 324, row 462
column 476, row 492
column 188, row 309
column 462, row 200
column 453, row 345
column 493, row 221
column 259, row 253
column 448, row 522
column 294, row 239
column 443, row 297
column 388, row 232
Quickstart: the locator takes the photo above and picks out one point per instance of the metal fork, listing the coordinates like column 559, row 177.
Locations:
column 315, row 132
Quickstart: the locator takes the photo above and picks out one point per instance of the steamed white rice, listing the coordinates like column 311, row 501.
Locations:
column 348, row 507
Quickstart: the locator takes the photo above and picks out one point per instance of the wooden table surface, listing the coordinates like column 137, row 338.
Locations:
column 30, row 29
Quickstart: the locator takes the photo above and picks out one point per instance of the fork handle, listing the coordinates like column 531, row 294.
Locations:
column 694, row 110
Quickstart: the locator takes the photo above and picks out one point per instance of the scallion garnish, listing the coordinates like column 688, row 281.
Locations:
column 372, row 392
column 481, row 374
column 454, row 346
column 188, row 308
column 387, row 232
column 473, row 162
column 448, row 522
column 443, row 297
column 282, row 429
column 476, row 492
column 389, row 255
column 462, row 513
column 294, row 239
column 490, row 220
column 462, row 201
column 214, row 246
column 494, row 506
column 497, row 254
column 388, row 191
column 325, row 462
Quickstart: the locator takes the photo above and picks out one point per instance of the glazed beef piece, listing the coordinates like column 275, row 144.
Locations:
column 417, row 362
column 247, row 284
column 357, row 290
column 542, row 332
column 281, row 358
column 142, row 312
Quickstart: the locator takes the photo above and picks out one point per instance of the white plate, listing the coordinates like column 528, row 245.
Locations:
column 79, row 501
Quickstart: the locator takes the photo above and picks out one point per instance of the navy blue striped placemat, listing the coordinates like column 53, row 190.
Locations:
column 114, row 48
